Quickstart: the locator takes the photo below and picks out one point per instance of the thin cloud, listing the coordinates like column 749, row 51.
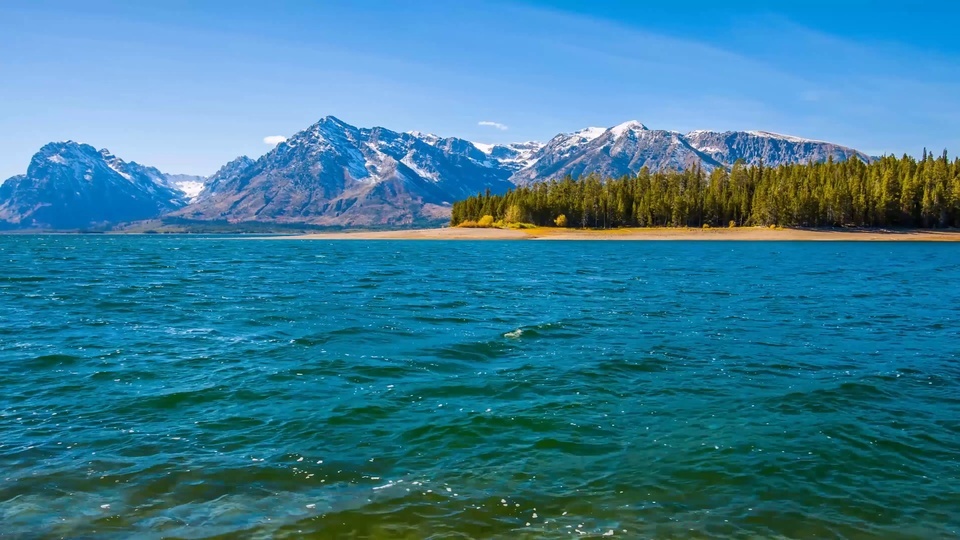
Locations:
column 274, row 140
column 497, row 125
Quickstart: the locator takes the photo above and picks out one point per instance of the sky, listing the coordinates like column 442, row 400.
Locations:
column 186, row 86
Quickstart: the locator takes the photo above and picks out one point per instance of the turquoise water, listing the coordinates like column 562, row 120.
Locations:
column 181, row 387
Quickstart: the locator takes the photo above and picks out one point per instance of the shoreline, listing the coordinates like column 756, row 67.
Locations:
column 642, row 234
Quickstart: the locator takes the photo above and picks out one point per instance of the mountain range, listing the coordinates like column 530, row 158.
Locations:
column 334, row 174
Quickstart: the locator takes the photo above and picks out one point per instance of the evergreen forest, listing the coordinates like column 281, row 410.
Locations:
column 887, row 192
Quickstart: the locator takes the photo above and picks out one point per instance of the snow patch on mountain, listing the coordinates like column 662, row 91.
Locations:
column 408, row 160
column 428, row 138
column 622, row 129
column 190, row 188
column 782, row 137
column 119, row 169
column 588, row 134
column 485, row 148
column 357, row 165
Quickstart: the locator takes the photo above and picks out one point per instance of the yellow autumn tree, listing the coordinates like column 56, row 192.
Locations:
column 514, row 214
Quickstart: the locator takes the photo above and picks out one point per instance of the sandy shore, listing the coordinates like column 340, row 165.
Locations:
column 547, row 233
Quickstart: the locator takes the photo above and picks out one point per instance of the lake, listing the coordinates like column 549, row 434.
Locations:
column 204, row 387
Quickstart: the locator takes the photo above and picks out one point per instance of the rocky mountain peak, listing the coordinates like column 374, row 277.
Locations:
column 625, row 128
column 64, row 153
column 73, row 185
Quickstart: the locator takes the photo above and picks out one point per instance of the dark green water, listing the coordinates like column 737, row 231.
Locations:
column 159, row 387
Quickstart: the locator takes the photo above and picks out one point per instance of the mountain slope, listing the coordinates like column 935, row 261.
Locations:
column 229, row 171
column 70, row 185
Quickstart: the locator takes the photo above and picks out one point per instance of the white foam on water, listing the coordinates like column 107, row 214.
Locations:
column 515, row 334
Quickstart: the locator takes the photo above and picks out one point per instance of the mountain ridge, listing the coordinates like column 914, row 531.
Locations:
column 335, row 174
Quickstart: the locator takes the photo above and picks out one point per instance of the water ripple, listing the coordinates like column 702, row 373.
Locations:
column 192, row 387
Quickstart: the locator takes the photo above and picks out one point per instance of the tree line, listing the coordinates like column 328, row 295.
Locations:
column 888, row 192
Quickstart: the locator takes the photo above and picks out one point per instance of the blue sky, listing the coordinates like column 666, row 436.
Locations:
column 187, row 86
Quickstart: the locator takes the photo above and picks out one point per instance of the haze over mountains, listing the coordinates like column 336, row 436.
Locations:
column 338, row 175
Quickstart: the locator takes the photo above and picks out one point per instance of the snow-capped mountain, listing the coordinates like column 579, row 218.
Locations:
column 612, row 152
column 70, row 185
column 336, row 174
column 628, row 147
